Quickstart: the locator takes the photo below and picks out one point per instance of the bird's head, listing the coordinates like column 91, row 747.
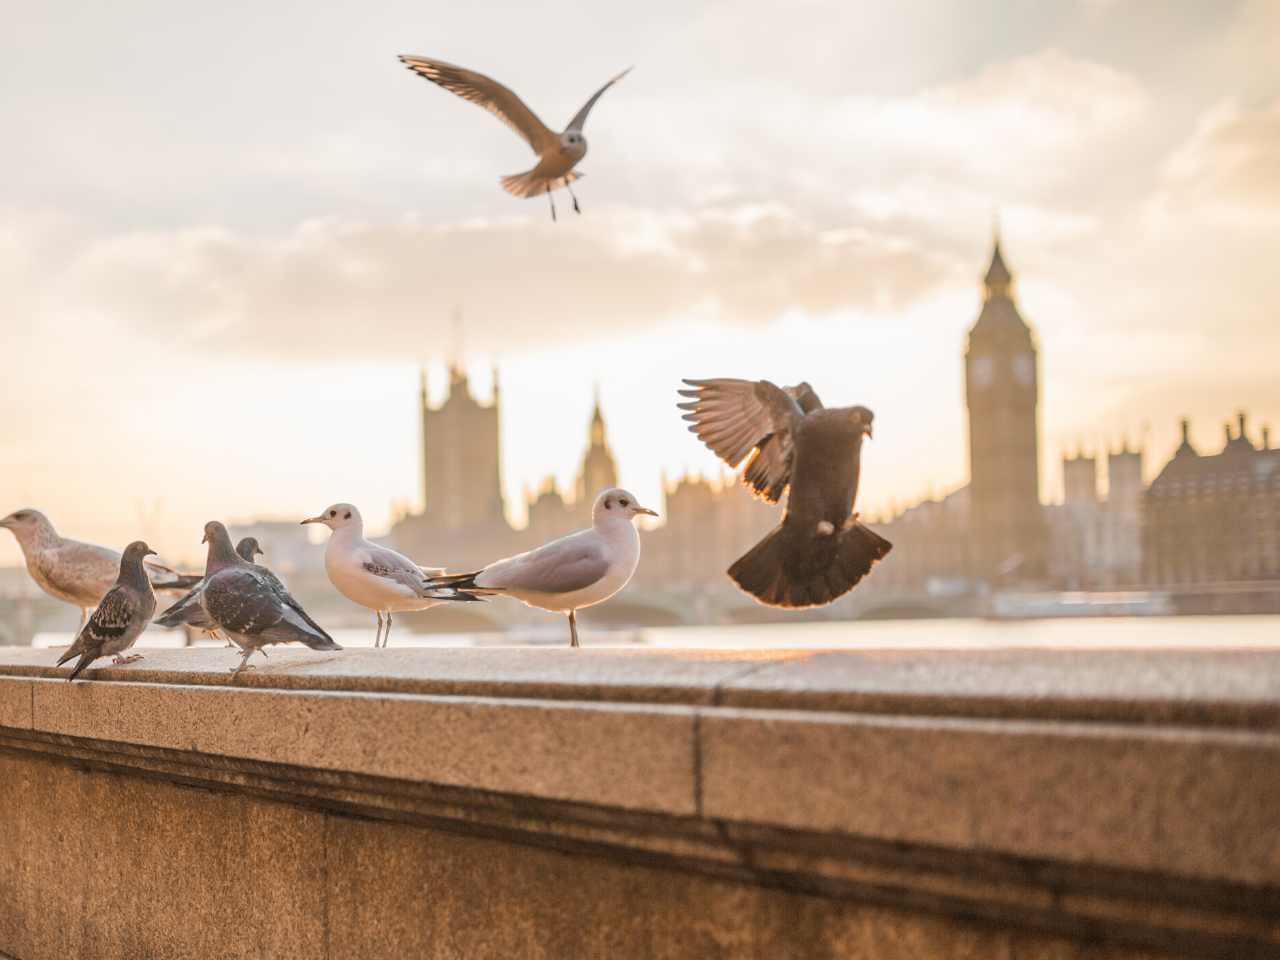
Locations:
column 616, row 502
column 861, row 418
column 248, row 548
column 337, row 516
column 573, row 140
column 135, row 552
column 27, row 523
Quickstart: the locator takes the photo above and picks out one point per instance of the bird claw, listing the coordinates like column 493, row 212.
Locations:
column 118, row 660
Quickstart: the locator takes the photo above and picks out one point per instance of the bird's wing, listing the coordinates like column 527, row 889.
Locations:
column 186, row 610
column 84, row 571
column 295, row 610
column 241, row 600
column 562, row 566
column 393, row 566
column 581, row 117
column 432, row 571
column 491, row 95
column 741, row 418
column 109, row 622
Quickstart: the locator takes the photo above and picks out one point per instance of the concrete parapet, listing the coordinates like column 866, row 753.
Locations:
column 638, row 803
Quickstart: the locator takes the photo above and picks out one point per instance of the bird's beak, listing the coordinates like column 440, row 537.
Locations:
column 150, row 553
column 314, row 520
column 205, row 538
column 646, row 510
column 868, row 429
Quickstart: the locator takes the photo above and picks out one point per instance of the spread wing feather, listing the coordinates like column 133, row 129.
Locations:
column 491, row 95
column 581, row 116
column 738, row 419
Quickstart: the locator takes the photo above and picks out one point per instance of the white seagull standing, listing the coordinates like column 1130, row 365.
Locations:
column 565, row 575
column 558, row 153
column 376, row 577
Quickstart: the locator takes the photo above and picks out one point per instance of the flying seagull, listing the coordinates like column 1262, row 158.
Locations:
column 248, row 604
column 558, row 153
column 788, row 439
column 187, row 610
column 376, row 577
column 121, row 616
column 76, row 572
column 576, row 571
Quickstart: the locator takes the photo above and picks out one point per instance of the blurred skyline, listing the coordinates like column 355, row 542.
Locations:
column 230, row 236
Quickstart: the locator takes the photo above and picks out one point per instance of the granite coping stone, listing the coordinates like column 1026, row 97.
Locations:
column 1225, row 687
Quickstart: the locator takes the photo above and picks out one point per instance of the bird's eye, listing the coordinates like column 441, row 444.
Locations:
column 333, row 513
column 623, row 501
column 347, row 515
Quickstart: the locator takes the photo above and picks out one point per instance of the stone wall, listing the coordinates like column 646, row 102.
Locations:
column 556, row 803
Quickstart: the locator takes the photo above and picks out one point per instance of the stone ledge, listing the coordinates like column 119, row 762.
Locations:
column 1145, row 832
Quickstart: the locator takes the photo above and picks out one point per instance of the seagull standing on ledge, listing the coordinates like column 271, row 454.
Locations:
column 565, row 575
column 558, row 153
column 121, row 616
column 376, row 577
column 76, row 572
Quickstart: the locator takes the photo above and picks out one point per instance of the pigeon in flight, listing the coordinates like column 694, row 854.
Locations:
column 76, row 572
column 187, row 610
column 820, row 551
column 565, row 575
column 121, row 615
column 376, row 577
column 558, row 153
column 249, row 604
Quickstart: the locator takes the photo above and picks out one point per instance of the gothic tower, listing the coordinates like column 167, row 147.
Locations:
column 598, row 467
column 461, row 470
column 1002, row 394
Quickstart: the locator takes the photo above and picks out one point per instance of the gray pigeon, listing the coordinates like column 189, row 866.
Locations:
column 249, row 604
column 188, row 612
column 121, row 616
column 74, row 571
column 787, row 438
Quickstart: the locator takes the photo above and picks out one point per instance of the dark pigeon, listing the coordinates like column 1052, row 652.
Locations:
column 121, row 616
column 249, row 604
column 787, row 439
column 187, row 610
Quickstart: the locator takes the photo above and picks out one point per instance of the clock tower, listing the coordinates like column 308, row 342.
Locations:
column 1002, row 393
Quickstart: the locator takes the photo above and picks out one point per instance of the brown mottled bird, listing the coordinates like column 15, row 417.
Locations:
column 820, row 551
column 121, row 616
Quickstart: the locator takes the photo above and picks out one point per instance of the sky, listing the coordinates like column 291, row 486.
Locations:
column 232, row 235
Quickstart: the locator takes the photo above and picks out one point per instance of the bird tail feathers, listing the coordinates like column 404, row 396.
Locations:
column 456, row 586
column 793, row 570
column 184, row 582
column 528, row 184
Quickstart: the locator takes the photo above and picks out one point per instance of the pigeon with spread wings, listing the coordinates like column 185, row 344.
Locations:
column 558, row 153
column 787, row 438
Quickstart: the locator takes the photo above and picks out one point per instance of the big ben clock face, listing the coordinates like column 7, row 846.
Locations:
column 984, row 371
column 1024, row 370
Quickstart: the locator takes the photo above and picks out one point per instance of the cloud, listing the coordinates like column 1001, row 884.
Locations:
column 336, row 288
column 1230, row 163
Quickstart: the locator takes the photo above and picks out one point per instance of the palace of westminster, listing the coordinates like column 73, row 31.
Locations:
column 1205, row 519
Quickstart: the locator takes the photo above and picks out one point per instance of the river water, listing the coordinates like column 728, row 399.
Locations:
column 1115, row 633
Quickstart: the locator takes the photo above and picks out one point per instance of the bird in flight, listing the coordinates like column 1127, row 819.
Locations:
column 787, row 438
column 558, row 153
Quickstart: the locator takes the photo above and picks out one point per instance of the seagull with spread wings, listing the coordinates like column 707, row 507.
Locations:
column 558, row 153
column 788, row 439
